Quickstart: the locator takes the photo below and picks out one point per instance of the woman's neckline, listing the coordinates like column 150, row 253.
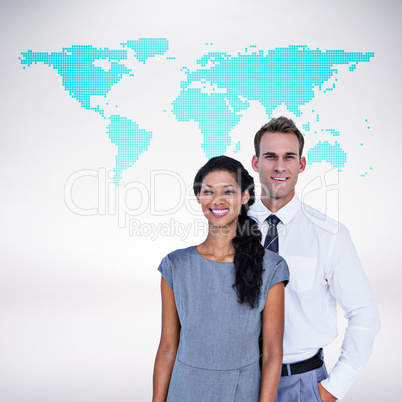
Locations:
column 207, row 259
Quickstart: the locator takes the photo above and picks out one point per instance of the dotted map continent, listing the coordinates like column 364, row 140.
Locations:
column 214, row 95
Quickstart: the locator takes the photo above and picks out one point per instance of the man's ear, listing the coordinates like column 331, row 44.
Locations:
column 302, row 164
column 254, row 163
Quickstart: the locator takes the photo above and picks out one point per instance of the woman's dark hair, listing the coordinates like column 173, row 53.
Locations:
column 249, row 253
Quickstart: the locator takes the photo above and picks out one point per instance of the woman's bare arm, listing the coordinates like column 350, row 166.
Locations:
column 272, row 342
column 168, row 344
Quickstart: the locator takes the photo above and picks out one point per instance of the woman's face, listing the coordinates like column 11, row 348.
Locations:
column 221, row 198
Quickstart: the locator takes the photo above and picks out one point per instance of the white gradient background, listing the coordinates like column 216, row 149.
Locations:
column 79, row 296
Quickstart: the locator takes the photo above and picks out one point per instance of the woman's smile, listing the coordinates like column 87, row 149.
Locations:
column 218, row 212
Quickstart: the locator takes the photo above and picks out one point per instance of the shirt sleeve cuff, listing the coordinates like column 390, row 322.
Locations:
column 340, row 379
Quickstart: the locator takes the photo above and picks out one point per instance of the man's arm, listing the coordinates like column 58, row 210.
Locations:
column 350, row 287
column 325, row 395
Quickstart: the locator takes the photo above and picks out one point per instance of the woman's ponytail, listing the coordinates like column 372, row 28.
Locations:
column 248, row 260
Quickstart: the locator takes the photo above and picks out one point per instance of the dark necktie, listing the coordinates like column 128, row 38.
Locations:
column 271, row 241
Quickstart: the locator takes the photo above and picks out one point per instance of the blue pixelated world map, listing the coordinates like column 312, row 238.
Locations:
column 214, row 95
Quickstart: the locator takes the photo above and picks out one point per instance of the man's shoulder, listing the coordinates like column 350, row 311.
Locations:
column 319, row 221
column 257, row 207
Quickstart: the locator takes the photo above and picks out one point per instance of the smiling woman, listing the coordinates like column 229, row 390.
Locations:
column 216, row 299
column 221, row 199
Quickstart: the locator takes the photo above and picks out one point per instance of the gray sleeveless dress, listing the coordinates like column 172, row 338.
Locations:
column 218, row 354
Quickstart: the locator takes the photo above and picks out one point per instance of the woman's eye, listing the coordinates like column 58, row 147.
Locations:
column 207, row 192
column 229, row 192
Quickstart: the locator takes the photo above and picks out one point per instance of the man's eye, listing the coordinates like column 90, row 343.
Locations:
column 269, row 157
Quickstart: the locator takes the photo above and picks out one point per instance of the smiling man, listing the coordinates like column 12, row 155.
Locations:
column 325, row 270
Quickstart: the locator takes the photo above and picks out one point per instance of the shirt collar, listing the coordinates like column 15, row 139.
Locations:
column 260, row 212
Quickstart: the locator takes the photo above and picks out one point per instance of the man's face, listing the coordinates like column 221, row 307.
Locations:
column 279, row 165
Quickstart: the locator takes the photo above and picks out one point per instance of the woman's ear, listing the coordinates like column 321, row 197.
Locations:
column 245, row 197
column 198, row 198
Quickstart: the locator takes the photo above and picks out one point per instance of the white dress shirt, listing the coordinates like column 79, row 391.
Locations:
column 324, row 270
